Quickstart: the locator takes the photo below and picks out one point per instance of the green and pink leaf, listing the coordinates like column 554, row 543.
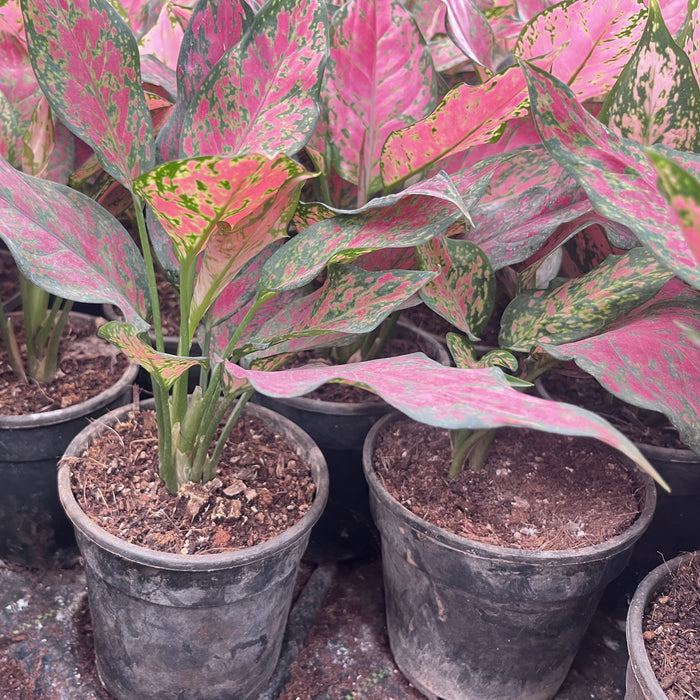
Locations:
column 87, row 63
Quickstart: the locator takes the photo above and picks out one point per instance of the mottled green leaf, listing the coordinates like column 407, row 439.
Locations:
column 406, row 219
column 87, row 63
column 648, row 360
column 580, row 307
column 682, row 190
column 656, row 99
column 464, row 291
column 161, row 366
column 464, row 355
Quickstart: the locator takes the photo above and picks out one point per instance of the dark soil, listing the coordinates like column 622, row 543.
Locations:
column 87, row 366
column 536, row 491
column 9, row 280
column 642, row 426
column 262, row 488
column 672, row 633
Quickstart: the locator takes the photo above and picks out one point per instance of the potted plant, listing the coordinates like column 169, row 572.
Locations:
column 46, row 402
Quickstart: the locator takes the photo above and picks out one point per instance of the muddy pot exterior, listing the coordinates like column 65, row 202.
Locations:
column 641, row 681
column 34, row 530
column 191, row 627
column 469, row 621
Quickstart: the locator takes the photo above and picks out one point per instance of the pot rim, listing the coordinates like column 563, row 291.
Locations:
column 450, row 539
column 195, row 562
column 63, row 415
column 638, row 658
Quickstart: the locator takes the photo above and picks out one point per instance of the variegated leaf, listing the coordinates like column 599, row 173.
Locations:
column 656, row 99
column 584, row 43
column 367, row 96
column 230, row 249
column 468, row 115
column 446, row 397
column 682, row 190
column 648, row 360
column 67, row 244
column 161, row 366
column 261, row 97
column 464, row 355
column 580, row 307
column 464, row 290
column 164, row 38
column 214, row 27
column 616, row 173
column 87, row 63
column 9, row 130
column 17, row 80
column 193, row 197
column 351, row 301
column 689, row 40
column 38, row 141
column 403, row 220
column 471, row 31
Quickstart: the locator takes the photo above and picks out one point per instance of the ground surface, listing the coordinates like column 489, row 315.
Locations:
column 336, row 647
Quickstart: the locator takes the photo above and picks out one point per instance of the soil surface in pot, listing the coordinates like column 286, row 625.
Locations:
column 87, row 365
column 9, row 280
column 672, row 633
column 262, row 488
column 536, row 491
column 643, row 427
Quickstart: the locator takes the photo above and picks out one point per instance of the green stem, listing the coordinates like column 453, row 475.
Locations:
column 226, row 431
column 166, row 459
column 150, row 271
column 10, row 341
column 180, row 387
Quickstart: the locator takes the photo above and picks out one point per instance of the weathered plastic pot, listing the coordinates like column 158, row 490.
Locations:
column 34, row 530
column 471, row 621
column 190, row 626
column 641, row 681
column 345, row 530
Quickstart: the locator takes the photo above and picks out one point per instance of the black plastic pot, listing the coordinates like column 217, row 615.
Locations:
column 345, row 530
column 200, row 626
column 642, row 683
column 470, row 621
column 34, row 530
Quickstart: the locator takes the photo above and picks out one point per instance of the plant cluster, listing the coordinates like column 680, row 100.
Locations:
column 220, row 124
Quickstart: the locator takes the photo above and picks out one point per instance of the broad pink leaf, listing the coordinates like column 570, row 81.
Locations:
column 464, row 291
column 214, row 27
column 656, row 99
column 67, row 244
column 471, row 31
column 468, row 115
column 403, row 220
column 161, row 366
column 87, row 63
column 582, row 306
column 682, row 190
column 193, row 197
column 616, row 173
column 379, row 78
column 446, row 397
column 17, row 80
column 584, row 43
column 261, row 96
column 648, row 360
